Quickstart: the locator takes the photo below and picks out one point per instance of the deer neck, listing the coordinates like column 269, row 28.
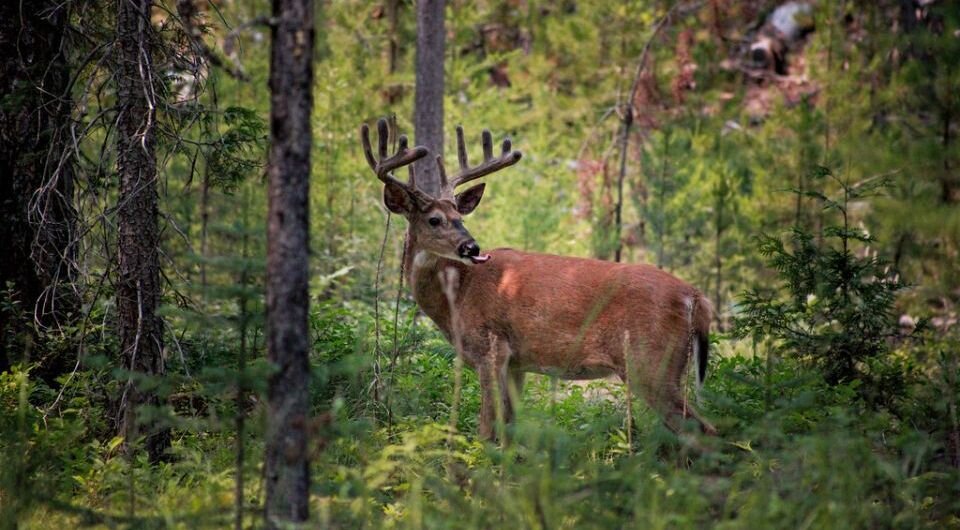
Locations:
column 423, row 273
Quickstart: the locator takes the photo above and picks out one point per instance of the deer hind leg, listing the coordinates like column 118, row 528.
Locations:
column 679, row 410
column 668, row 401
column 659, row 382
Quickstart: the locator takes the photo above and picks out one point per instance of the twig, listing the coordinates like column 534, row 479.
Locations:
column 183, row 359
column 187, row 11
column 396, row 340
column 646, row 47
column 448, row 281
column 396, row 308
column 234, row 34
column 83, row 335
column 629, row 114
column 626, row 386
column 377, row 381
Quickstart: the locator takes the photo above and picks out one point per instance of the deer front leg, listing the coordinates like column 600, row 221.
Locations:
column 512, row 386
column 496, row 404
column 488, row 396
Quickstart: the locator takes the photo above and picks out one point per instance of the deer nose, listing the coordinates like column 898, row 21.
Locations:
column 469, row 248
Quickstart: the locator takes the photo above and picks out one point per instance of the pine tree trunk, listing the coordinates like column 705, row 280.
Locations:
column 291, row 102
column 392, row 7
column 37, row 220
column 138, row 286
column 428, row 101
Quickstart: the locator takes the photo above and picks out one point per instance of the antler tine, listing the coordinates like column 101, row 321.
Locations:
column 367, row 150
column 508, row 157
column 446, row 190
column 411, row 170
column 383, row 136
column 487, row 140
column 461, row 150
column 386, row 164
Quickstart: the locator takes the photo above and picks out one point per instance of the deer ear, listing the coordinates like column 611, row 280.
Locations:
column 468, row 200
column 397, row 199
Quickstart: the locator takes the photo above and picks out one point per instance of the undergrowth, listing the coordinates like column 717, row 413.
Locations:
column 794, row 451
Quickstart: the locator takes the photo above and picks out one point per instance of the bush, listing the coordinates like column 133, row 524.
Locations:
column 834, row 306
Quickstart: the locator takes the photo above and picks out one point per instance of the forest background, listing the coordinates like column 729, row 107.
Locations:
column 814, row 201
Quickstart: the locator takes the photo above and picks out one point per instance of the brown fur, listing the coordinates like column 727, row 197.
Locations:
column 523, row 312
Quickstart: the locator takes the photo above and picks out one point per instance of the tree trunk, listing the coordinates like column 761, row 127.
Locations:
column 138, row 287
column 37, row 219
column 392, row 7
column 428, row 101
column 718, row 258
column 618, row 207
column 291, row 102
column 949, row 185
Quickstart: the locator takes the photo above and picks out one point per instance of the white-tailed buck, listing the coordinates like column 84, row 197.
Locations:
column 511, row 312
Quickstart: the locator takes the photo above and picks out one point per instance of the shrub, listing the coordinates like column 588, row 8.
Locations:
column 833, row 306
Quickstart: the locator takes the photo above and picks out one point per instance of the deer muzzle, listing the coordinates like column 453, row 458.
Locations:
column 470, row 250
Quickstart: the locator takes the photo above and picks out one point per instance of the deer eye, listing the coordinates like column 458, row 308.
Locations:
column 435, row 221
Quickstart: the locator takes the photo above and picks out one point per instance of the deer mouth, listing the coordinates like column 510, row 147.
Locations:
column 471, row 258
column 469, row 252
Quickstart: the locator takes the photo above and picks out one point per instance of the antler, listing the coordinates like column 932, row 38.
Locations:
column 508, row 157
column 403, row 157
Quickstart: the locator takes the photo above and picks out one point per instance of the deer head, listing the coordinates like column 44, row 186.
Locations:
column 436, row 223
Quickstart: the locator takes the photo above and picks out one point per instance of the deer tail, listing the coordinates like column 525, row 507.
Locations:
column 700, row 315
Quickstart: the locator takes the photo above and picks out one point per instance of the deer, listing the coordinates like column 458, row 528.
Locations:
column 509, row 312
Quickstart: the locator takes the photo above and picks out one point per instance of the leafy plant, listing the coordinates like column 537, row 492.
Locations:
column 834, row 304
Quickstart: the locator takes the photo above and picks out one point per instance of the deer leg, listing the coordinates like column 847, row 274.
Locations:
column 495, row 381
column 659, row 382
column 488, row 395
column 676, row 410
column 687, row 411
column 514, row 391
column 500, row 358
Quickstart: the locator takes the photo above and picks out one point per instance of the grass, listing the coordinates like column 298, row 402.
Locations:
column 793, row 453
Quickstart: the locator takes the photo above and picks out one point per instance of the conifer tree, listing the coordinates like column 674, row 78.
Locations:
column 138, row 286
column 36, row 187
column 288, row 167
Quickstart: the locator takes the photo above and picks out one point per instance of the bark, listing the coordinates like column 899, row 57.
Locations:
column 138, row 287
column 618, row 208
column 718, row 258
column 241, row 390
column 949, row 185
column 37, row 220
column 392, row 8
column 291, row 102
column 428, row 101
column 204, row 224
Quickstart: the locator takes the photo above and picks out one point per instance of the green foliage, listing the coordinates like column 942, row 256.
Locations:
column 237, row 152
column 38, row 453
column 833, row 307
column 831, row 420
column 794, row 451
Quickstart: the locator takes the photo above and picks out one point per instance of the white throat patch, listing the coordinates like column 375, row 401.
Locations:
column 422, row 258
